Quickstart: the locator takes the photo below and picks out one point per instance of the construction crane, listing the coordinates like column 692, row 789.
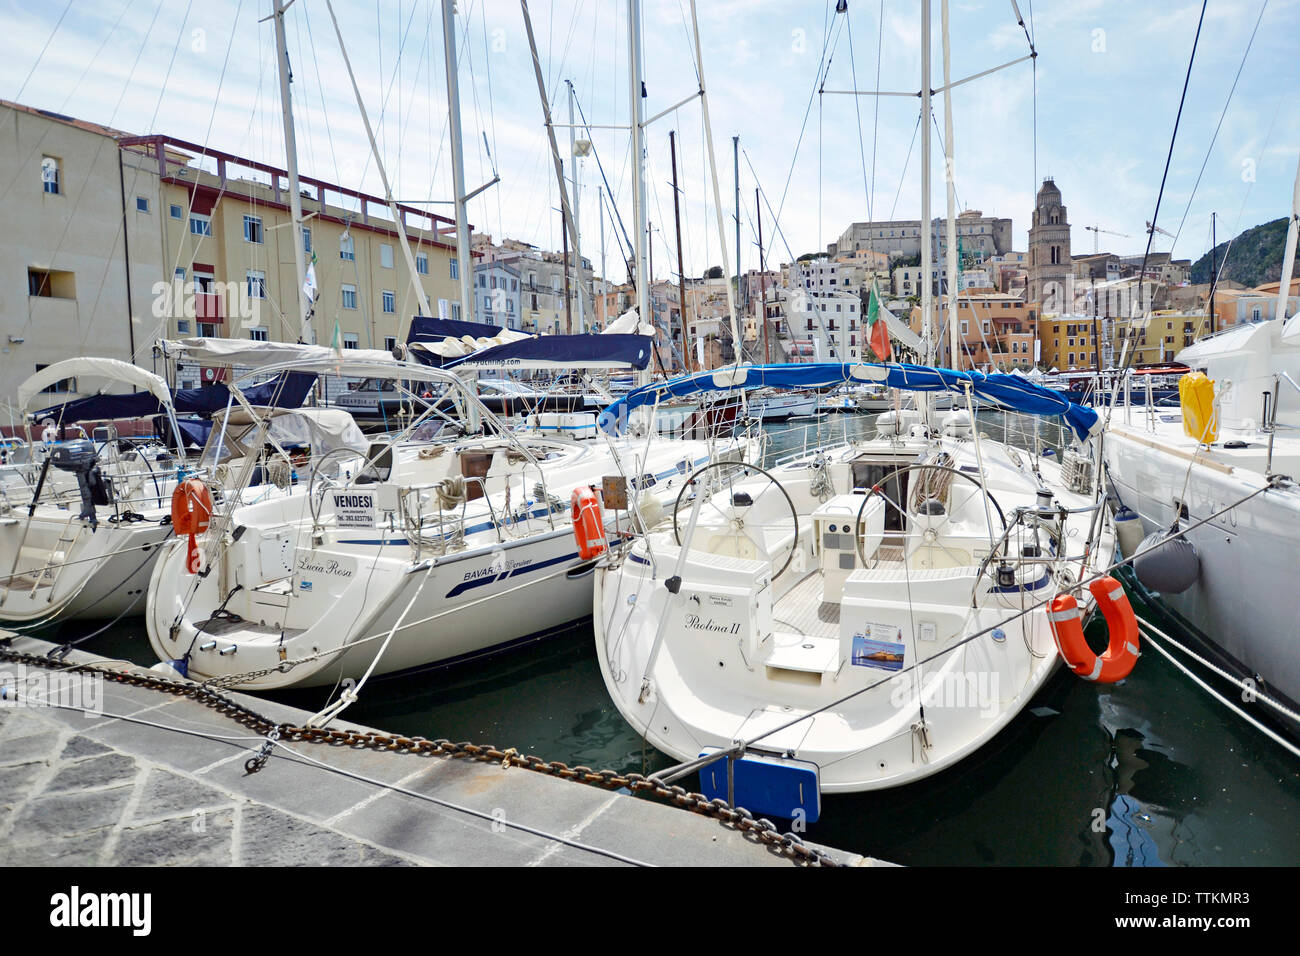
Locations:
column 1096, row 236
column 1163, row 232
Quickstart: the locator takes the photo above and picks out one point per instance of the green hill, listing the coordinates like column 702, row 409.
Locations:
column 1255, row 256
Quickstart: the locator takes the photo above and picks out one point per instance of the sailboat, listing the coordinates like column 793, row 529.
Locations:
column 435, row 551
column 862, row 615
column 83, row 539
column 1221, row 467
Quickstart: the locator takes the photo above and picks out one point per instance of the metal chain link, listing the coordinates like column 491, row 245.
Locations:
column 763, row 830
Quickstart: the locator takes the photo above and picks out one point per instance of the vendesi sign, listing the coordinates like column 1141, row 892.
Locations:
column 353, row 509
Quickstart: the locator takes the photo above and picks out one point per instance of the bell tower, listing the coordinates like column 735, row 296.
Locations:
column 1049, row 250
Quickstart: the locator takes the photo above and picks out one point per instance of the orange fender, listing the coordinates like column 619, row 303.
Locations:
column 1066, row 620
column 191, row 515
column 588, row 523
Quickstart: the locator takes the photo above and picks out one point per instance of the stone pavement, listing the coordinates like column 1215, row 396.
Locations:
column 81, row 788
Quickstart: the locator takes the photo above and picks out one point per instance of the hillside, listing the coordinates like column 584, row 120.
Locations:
column 1255, row 257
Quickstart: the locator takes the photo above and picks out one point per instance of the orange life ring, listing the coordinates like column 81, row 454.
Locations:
column 191, row 515
column 588, row 523
column 1122, row 652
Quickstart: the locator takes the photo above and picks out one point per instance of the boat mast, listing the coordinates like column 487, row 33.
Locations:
column 950, row 258
column 762, row 280
column 1214, row 268
column 305, row 332
column 681, row 268
column 717, row 195
column 463, row 256
column 1288, row 257
column 577, row 201
column 927, row 317
column 636, row 92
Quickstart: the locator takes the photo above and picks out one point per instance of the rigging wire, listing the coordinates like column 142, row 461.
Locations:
column 1151, row 233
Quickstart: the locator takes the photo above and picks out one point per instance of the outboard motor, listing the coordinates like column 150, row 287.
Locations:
column 78, row 456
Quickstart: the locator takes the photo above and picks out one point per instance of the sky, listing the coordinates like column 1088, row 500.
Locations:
column 1096, row 110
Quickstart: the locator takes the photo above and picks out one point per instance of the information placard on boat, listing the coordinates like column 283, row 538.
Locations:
column 353, row 510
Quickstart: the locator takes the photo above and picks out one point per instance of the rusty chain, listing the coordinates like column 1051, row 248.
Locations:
column 761, row 829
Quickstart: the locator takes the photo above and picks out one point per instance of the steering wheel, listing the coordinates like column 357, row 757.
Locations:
column 876, row 490
column 323, row 479
column 737, row 523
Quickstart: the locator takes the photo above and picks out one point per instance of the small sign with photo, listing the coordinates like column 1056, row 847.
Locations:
column 871, row 651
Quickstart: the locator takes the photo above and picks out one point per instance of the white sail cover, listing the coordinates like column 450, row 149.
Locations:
column 250, row 354
column 454, row 347
column 629, row 323
column 111, row 370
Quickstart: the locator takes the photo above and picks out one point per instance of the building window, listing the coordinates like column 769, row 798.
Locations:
column 141, row 204
column 422, row 263
column 183, row 326
column 386, row 256
column 306, row 240
column 390, row 301
column 252, row 229
column 965, row 327
column 346, row 248
column 349, row 296
column 487, row 304
column 257, row 334
column 349, row 340
column 454, row 267
column 63, row 385
column 51, row 284
column 50, row 175
column 390, row 342
column 455, row 311
column 176, row 211
column 256, row 284
column 200, row 225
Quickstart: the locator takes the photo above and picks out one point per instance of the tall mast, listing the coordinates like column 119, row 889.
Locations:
column 636, row 91
column 927, row 317
column 305, row 332
column 463, row 261
column 717, row 194
column 762, row 280
column 950, row 259
column 1214, row 269
column 681, row 268
column 735, row 161
column 577, row 200
column 1288, row 256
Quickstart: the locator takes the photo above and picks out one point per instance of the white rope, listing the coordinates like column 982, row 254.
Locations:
column 1280, row 708
column 1271, row 734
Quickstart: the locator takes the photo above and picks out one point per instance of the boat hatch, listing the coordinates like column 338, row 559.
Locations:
column 766, row 784
column 870, row 471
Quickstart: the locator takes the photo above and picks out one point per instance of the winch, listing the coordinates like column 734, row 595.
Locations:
column 78, row 456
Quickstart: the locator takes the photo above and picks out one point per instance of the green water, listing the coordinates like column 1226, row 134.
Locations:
column 1148, row 772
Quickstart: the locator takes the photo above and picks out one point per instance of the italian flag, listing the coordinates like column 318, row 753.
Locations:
column 877, row 329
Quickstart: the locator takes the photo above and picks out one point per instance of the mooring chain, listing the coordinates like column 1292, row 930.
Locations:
column 761, row 829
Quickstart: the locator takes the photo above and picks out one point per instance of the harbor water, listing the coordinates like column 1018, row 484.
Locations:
column 1147, row 772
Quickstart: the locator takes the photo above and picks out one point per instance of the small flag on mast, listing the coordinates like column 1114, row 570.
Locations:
column 878, row 329
column 309, row 284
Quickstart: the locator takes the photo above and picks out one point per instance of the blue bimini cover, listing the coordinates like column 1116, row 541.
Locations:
column 1008, row 391
column 286, row 390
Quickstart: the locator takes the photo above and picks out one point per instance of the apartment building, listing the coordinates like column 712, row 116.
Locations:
column 225, row 226
column 79, row 252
